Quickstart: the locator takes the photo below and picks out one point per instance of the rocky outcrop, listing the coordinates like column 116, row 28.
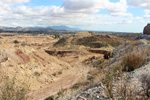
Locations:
column 146, row 30
column 147, row 37
column 96, row 93
column 121, row 51
column 139, row 80
column 135, row 84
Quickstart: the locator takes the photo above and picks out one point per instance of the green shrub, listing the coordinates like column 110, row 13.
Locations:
column 60, row 93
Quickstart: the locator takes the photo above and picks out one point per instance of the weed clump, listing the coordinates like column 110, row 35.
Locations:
column 133, row 61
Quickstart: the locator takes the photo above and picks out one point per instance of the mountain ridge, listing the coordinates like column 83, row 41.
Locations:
column 61, row 27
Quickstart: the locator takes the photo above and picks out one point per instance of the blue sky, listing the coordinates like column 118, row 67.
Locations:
column 46, row 2
column 103, row 15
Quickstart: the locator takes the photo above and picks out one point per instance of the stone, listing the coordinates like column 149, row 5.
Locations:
column 146, row 30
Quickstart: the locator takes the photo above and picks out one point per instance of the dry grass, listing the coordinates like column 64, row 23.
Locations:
column 102, row 64
column 148, row 42
column 130, row 62
column 126, row 92
column 10, row 91
column 108, row 82
column 134, row 60
column 123, row 91
column 135, row 43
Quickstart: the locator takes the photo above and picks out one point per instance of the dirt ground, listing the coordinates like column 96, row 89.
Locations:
column 44, row 74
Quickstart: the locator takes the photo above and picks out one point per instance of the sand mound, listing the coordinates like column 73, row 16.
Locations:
column 89, row 39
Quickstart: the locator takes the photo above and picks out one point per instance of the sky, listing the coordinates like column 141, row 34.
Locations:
column 99, row 15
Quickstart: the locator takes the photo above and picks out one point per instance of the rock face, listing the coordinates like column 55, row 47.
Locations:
column 147, row 29
column 136, row 83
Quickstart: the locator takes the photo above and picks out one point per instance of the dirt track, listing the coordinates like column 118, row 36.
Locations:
column 64, row 82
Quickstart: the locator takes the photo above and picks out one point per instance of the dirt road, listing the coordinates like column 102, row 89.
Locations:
column 64, row 82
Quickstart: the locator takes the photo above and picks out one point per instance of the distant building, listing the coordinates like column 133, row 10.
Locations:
column 146, row 30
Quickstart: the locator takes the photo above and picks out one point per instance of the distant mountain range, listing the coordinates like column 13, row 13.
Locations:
column 64, row 28
column 48, row 30
column 39, row 28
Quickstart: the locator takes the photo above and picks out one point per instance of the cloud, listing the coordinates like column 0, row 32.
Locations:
column 15, row 1
column 117, row 7
column 126, row 21
column 143, row 4
column 140, row 3
column 93, row 6
column 73, row 13
column 147, row 14
column 121, row 14
column 6, row 5
column 78, row 4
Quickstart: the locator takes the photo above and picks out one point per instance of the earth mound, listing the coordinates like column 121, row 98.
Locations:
column 89, row 39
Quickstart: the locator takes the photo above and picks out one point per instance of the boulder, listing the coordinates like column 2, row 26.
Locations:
column 146, row 30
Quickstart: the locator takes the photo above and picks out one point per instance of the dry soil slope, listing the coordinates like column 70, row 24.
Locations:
column 37, row 70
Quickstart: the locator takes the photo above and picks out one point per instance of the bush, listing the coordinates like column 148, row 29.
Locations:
column 16, row 41
column 133, row 60
column 56, row 36
column 10, row 91
column 108, row 55
column 23, row 44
